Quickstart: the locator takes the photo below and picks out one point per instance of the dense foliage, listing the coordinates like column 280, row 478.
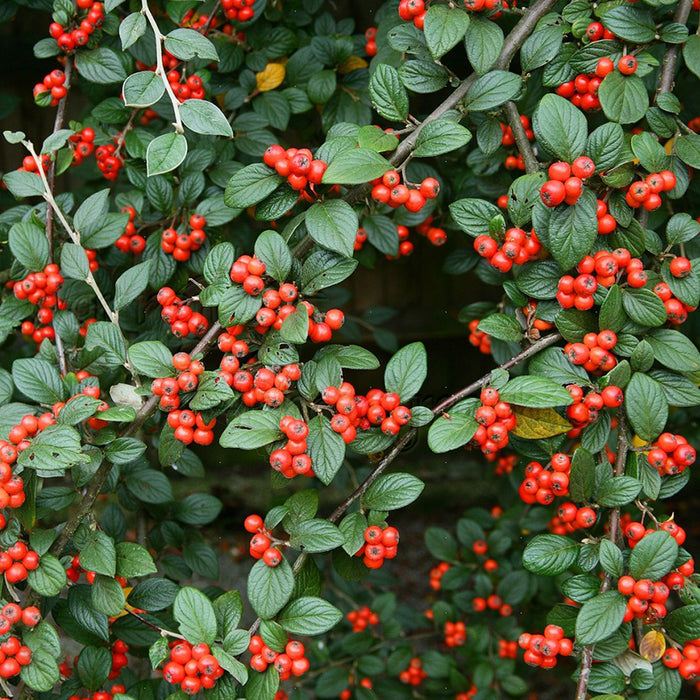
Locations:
column 171, row 257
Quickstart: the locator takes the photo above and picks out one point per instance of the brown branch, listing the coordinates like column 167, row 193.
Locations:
column 668, row 65
column 521, row 140
column 93, row 490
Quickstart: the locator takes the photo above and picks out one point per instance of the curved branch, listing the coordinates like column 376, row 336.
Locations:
column 668, row 65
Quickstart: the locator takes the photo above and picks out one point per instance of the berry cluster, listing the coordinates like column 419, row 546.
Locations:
column 168, row 388
column 371, row 37
column 582, row 91
column 496, row 419
column 296, row 164
column 518, row 247
column 507, row 649
column 570, row 518
column 415, row 674
column 455, row 634
column 566, row 181
column 405, row 245
column 347, row 693
column 505, row 464
column 686, row 660
column 361, row 618
column 239, row 10
column 647, row 599
column 130, row 241
column 74, row 570
column 52, row 89
column 182, row 319
column 190, row 427
column 83, row 144
column 413, row 11
column 671, row 454
column 16, row 561
column 13, row 656
column 388, row 189
column 437, row 236
column 354, row 411
column 606, row 221
column 647, row 193
column 543, row 649
column 29, row 165
column 291, row 662
column 480, row 548
column 40, row 288
column 12, row 614
column 109, row 161
column 594, row 352
column 191, row 89
column 436, row 574
column 380, row 544
column 68, row 40
column 542, row 485
column 181, row 246
column 493, row 602
column 292, row 459
column 584, row 410
column 676, row 310
column 595, row 31
column 516, row 162
column 102, row 694
column 478, row 338
column 265, row 386
column 192, row 667
column 261, row 542
column 119, row 659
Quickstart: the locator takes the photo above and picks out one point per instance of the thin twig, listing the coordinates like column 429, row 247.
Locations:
column 668, row 65
column 521, row 140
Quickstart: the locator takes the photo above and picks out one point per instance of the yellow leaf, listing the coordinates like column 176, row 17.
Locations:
column 653, row 646
column 668, row 146
column 271, row 77
column 350, row 64
column 534, row 423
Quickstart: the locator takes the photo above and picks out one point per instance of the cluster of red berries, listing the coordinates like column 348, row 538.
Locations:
column 130, row 241
column 119, row 659
column 606, row 221
column 265, row 386
column 493, row 602
column 355, row 411
column 74, row 570
column 388, row 189
column 347, row 693
column 647, row 599
column 239, row 10
column 415, row 674
column 516, row 162
column 471, row 693
column 582, row 91
column 192, row 667
column 413, row 11
column 436, row 574
column 116, row 689
column 505, row 464
column 292, row 459
column 455, row 634
column 543, row 649
column 686, row 660
column 181, row 246
column 12, row 614
column 40, row 288
column 595, row 31
column 671, row 454
column 13, row 656
column 109, row 161
column 496, row 419
column 380, row 544
column 182, row 319
column 518, row 248
column 647, row 193
column 507, row 649
column 52, row 89
column 594, row 352
column 82, row 331
column 570, row 518
column 16, row 561
column 478, row 338
column 191, row 89
column 676, row 310
column 361, row 618
column 29, row 165
column 584, row 410
column 405, row 245
column 83, row 144
column 436, row 235
column 371, row 45
column 566, row 181
column 68, row 40
column 480, row 548
column 168, row 388
column 542, row 485
column 296, row 164
column 190, row 427
column 291, row 662
column 261, row 541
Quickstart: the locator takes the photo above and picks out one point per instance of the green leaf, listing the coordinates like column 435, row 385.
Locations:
column 691, row 54
column 674, row 350
column 679, row 391
column 611, row 558
column 152, row 359
column 392, row 491
column 251, row 430
column 107, row 595
column 326, row 449
column 29, row 245
column 444, row 28
column 440, row 136
column 388, row 94
column 270, row 588
column 271, row 248
column 599, row 617
column 185, row 44
column 134, row 560
column 605, row 145
column 323, row 269
column 687, row 148
column 681, row 228
column 406, row 371
column 53, row 451
column 683, row 624
column 423, row 76
column 535, row 392
column 42, row 673
column 143, row 89
column 101, row 66
column 295, row 328
column 646, row 406
column 624, row 98
column 474, row 216
column 376, row 139
column 333, row 225
column 220, row 259
column 317, row 535
column 618, row 491
column 451, row 432
column 165, row 153
column 630, row 23
column 541, row 47
column 483, row 41
column 653, row 556
column 492, row 90
column 131, row 29
column 644, row 307
column 501, row 326
column 236, row 303
column 195, row 615
column 251, row 185
column 204, row 117
column 309, row 616
column 130, row 284
column 582, row 476
column 77, row 409
column 23, row 184
column 74, row 262
column 354, row 167
column 560, row 128
column 573, row 230
column 99, row 554
column 550, row 555
column 105, row 336
column 49, row 578
column 38, row 380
